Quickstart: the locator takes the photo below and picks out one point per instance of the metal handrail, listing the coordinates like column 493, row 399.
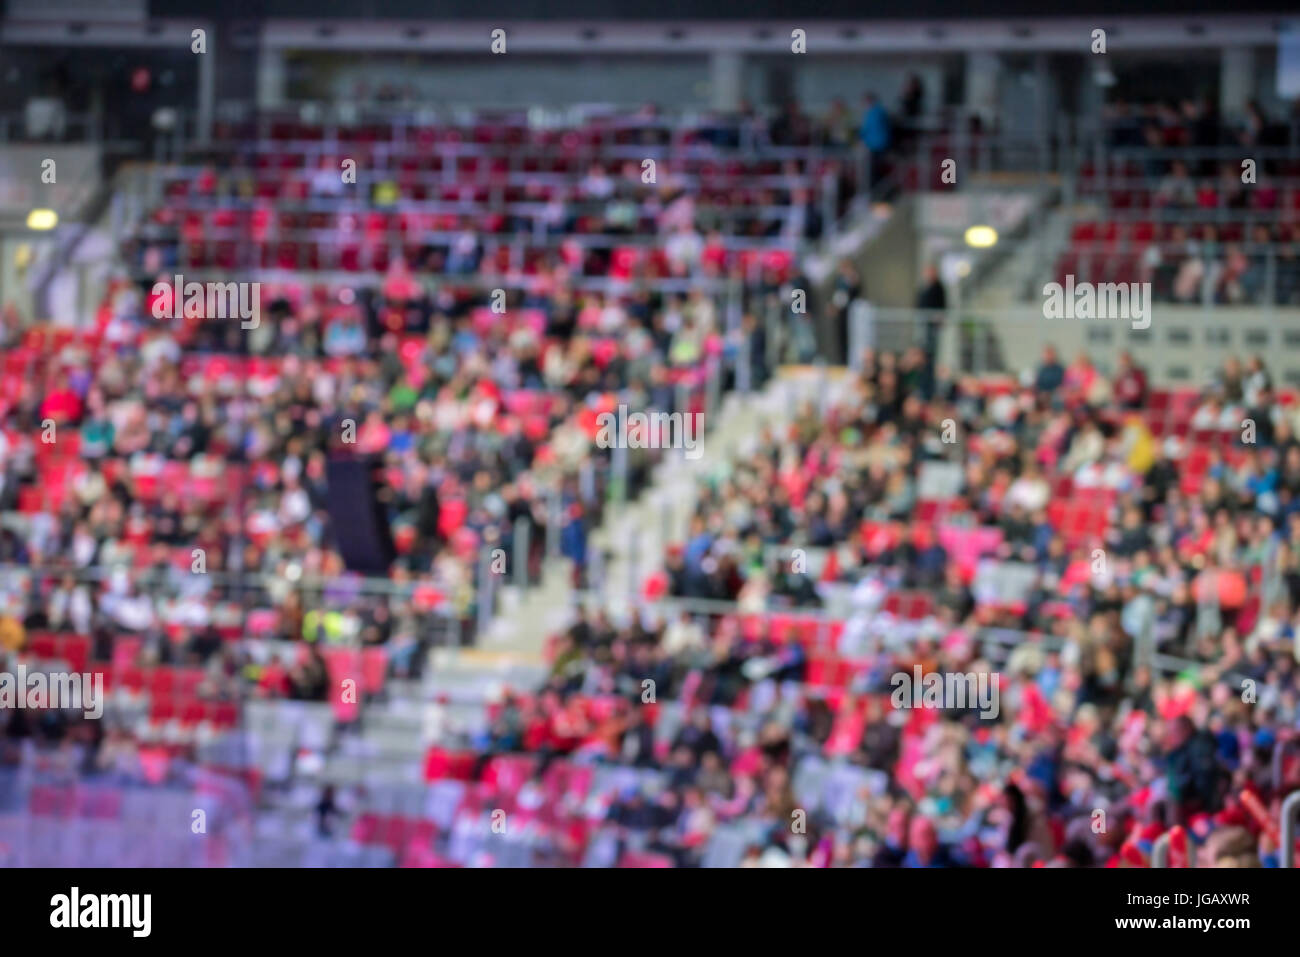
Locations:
column 1102, row 247
column 606, row 115
column 154, row 578
column 1186, row 217
column 370, row 174
column 331, row 234
column 1033, row 313
column 1131, row 153
column 401, row 149
column 482, row 281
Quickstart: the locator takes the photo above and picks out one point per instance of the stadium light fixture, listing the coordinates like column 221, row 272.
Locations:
column 981, row 237
column 42, row 219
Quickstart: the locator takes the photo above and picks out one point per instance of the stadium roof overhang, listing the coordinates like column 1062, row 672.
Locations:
column 845, row 37
column 595, row 36
column 661, row 11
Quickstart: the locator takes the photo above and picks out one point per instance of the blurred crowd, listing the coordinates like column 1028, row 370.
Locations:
column 1199, row 224
column 1090, row 730
column 1125, row 560
column 166, row 442
column 1194, row 122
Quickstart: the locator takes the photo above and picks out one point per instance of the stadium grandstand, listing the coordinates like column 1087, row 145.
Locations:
column 566, row 438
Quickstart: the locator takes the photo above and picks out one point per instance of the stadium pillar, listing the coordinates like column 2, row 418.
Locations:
column 555, row 519
column 726, row 80
column 522, row 545
column 983, row 76
column 1236, row 80
column 486, row 594
column 270, row 78
column 207, row 93
column 632, row 571
column 1290, row 811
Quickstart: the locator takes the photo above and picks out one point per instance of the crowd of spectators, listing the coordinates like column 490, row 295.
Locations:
column 1183, row 211
column 1087, row 722
column 1089, row 730
column 1098, row 525
column 1194, row 265
column 509, row 197
column 1193, row 122
column 164, row 441
column 165, row 482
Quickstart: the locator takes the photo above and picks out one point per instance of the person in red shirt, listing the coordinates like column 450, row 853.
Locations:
column 62, row 404
column 1130, row 383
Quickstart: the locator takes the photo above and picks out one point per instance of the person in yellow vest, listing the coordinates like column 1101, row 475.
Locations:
column 1140, row 445
column 12, row 634
column 328, row 623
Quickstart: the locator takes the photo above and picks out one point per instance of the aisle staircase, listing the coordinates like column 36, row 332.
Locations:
column 631, row 543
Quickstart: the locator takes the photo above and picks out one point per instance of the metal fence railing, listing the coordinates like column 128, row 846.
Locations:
column 1178, row 344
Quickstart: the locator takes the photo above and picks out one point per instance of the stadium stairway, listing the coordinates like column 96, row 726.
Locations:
column 632, row 541
column 636, row 541
column 524, row 616
column 1012, row 282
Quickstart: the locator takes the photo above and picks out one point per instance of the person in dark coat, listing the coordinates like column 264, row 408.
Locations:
column 931, row 297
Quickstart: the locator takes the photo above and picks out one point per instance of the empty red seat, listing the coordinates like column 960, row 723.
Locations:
column 225, row 714
column 374, row 668
column 75, row 650
column 192, row 711
column 42, row 645
column 161, row 710
column 50, row 801
column 131, row 678
column 644, row 859
column 162, row 682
